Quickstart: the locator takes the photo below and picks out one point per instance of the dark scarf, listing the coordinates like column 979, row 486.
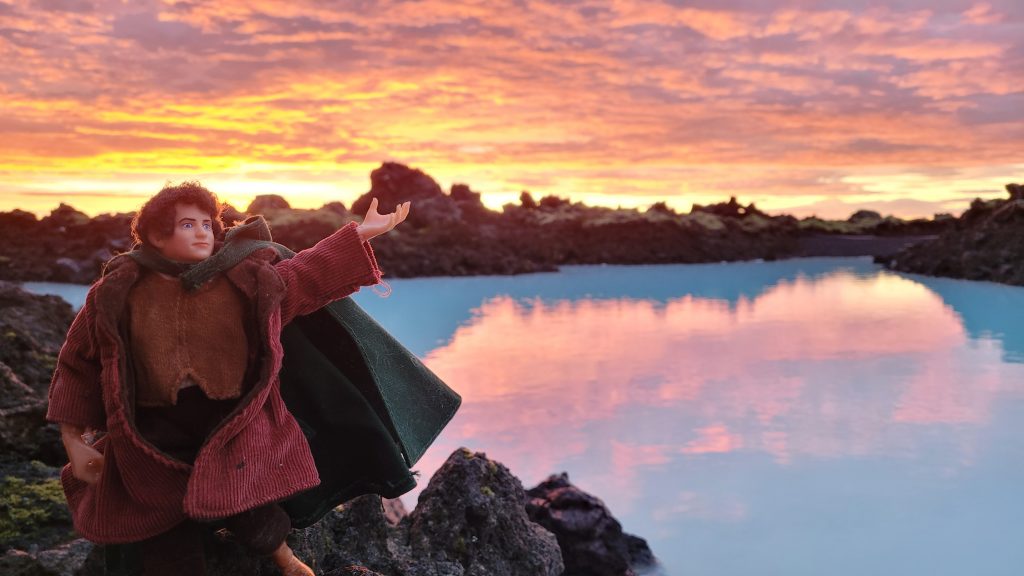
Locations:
column 225, row 255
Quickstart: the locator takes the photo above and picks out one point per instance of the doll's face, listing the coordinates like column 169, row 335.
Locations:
column 192, row 240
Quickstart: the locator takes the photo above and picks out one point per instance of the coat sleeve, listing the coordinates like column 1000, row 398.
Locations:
column 333, row 269
column 76, row 395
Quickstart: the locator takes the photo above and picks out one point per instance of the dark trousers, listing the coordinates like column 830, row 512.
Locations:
column 180, row 430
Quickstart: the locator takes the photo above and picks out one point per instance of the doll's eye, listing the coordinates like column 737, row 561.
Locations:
column 187, row 225
column 207, row 227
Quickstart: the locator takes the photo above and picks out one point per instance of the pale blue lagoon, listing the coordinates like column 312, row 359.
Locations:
column 801, row 417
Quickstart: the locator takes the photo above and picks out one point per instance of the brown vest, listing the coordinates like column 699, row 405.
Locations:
column 178, row 335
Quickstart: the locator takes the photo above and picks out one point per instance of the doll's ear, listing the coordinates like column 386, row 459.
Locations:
column 157, row 241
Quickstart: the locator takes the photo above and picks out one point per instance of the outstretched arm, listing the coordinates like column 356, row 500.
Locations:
column 337, row 266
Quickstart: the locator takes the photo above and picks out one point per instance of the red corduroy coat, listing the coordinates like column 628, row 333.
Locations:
column 258, row 455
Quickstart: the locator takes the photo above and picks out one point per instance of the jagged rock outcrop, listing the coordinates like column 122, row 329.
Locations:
column 394, row 183
column 864, row 216
column 64, row 216
column 266, row 202
column 32, row 330
column 470, row 520
column 472, row 516
column 66, row 246
column 591, row 539
column 730, row 209
column 1016, row 191
column 987, row 243
column 470, row 205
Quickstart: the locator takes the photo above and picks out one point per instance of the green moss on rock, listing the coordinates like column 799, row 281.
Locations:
column 32, row 511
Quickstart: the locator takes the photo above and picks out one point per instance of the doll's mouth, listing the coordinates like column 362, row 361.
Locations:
column 203, row 244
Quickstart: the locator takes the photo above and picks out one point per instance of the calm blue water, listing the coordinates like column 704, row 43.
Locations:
column 811, row 416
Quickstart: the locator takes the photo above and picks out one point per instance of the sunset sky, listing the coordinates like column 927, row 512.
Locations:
column 905, row 107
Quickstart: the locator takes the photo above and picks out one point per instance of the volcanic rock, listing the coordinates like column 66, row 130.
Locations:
column 265, row 202
column 591, row 539
column 394, row 183
column 987, row 243
column 32, row 330
column 470, row 521
column 471, row 515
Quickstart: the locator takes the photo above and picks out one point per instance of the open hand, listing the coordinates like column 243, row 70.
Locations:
column 375, row 224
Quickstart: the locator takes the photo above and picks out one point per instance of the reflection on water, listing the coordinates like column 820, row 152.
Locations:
column 821, row 367
column 777, row 418
column 798, row 417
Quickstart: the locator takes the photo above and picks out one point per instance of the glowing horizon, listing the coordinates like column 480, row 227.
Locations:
column 911, row 110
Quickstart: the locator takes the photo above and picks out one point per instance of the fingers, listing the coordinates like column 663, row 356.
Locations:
column 402, row 212
column 381, row 223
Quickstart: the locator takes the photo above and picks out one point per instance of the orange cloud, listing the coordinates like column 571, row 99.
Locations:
column 686, row 104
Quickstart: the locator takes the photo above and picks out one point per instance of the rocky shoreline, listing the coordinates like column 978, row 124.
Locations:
column 454, row 234
column 473, row 517
column 985, row 243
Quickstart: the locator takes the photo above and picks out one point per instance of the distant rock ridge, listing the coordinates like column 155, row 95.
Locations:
column 454, row 234
column 985, row 243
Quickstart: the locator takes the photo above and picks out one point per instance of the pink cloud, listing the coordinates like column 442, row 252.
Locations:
column 982, row 14
column 533, row 95
column 712, row 440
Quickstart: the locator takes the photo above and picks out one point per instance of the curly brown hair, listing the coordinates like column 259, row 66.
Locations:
column 157, row 215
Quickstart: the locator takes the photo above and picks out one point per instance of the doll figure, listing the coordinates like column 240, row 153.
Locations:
column 167, row 395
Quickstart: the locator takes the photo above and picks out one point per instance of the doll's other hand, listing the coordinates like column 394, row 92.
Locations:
column 375, row 224
column 86, row 461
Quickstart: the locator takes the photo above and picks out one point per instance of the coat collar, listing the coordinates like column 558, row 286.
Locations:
column 254, row 276
column 239, row 241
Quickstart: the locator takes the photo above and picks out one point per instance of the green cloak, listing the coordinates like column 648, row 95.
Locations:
column 368, row 407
